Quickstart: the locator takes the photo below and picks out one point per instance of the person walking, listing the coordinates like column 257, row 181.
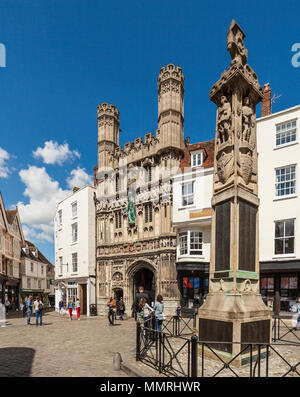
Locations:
column 121, row 308
column 29, row 309
column 61, row 307
column 159, row 309
column 140, row 295
column 7, row 304
column 298, row 311
column 77, row 306
column 112, row 307
column 70, row 306
column 38, row 308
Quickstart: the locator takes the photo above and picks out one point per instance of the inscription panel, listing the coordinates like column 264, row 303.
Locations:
column 247, row 235
column 214, row 330
column 222, row 247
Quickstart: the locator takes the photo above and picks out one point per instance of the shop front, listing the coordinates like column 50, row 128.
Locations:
column 280, row 285
column 193, row 281
column 11, row 293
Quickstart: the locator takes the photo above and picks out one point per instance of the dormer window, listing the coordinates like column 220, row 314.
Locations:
column 197, row 158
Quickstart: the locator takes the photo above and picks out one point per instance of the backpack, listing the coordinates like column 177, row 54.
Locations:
column 40, row 306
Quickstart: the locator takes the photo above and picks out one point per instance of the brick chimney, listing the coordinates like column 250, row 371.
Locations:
column 266, row 102
column 75, row 189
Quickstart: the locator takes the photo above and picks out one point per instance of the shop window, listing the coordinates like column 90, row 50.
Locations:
column 191, row 290
column 267, row 288
column 284, row 237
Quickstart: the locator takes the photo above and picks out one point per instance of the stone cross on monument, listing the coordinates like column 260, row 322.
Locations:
column 234, row 310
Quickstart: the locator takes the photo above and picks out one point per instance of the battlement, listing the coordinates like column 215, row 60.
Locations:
column 108, row 109
column 171, row 71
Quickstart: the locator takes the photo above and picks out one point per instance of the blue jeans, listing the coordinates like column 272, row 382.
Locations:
column 28, row 315
column 158, row 325
column 298, row 321
column 38, row 314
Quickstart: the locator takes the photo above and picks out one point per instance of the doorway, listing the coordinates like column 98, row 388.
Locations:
column 144, row 277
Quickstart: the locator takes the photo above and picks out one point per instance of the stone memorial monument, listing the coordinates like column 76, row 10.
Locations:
column 234, row 310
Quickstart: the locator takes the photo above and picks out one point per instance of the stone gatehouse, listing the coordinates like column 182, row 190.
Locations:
column 136, row 244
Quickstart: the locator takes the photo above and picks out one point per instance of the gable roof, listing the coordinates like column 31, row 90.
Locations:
column 208, row 148
column 40, row 257
column 10, row 215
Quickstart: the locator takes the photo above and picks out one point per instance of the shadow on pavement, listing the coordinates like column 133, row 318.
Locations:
column 16, row 361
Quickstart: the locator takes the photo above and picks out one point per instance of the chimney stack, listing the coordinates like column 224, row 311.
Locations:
column 266, row 102
column 75, row 189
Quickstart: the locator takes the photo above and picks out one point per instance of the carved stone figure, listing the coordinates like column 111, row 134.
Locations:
column 131, row 210
column 247, row 119
column 224, row 120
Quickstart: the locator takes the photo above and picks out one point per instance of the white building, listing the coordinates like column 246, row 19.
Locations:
column 192, row 193
column 279, row 211
column 74, row 227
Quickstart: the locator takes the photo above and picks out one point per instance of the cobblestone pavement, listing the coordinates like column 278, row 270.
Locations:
column 64, row 348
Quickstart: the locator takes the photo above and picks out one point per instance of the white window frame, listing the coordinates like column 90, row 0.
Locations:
column 74, row 227
column 74, row 205
column 187, row 196
column 197, row 158
column 75, row 255
column 292, row 131
column 185, row 243
column 284, row 182
column 285, row 237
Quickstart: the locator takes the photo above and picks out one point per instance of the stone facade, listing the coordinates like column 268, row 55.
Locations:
column 136, row 243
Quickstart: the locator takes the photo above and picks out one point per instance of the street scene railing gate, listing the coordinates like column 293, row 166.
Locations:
column 174, row 355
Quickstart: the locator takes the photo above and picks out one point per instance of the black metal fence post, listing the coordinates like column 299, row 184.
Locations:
column 138, row 341
column 194, row 356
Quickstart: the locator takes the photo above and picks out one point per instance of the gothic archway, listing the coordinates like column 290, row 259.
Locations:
column 142, row 273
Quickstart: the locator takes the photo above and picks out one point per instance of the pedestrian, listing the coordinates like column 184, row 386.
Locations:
column 298, row 311
column 61, row 307
column 70, row 306
column 38, row 308
column 112, row 307
column 29, row 309
column 77, row 306
column 7, row 305
column 121, row 308
column 141, row 294
column 159, row 309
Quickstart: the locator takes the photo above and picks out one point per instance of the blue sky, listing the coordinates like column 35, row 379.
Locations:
column 64, row 57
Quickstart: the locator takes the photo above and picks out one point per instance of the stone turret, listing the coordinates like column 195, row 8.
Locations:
column 108, row 133
column 171, row 107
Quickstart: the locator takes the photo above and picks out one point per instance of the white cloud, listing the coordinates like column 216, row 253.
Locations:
column 53, row 153
column 79, row 178
column 4, row 170
column 44, row 194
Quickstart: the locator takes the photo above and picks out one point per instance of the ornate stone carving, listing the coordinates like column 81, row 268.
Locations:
column 117, row 276
column 224, row 121
column 235, row 44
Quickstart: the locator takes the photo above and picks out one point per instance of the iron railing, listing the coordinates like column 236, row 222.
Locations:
column 179, row 326
column 280, row 330
column 176, row 355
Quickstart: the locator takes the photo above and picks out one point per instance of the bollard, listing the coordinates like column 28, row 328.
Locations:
column 117, row 361
column 194, row 357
